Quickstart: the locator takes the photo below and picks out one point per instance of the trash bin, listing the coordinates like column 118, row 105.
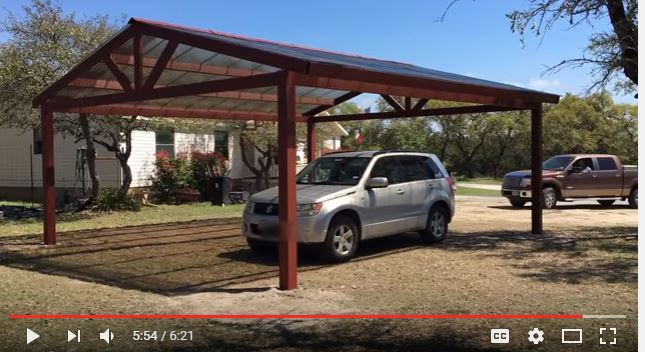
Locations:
column 221, row 187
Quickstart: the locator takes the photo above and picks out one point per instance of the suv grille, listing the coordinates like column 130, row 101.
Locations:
column 511, row 182
column 266, row 209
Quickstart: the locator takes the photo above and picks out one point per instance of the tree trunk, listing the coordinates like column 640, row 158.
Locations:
column 90, row 156
column 127, row 175
column 627, row 37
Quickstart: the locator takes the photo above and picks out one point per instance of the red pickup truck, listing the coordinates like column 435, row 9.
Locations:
column 576, row 176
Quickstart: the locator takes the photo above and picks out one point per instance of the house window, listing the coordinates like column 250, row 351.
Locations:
column 165, row 141
column 221, row 143
column 38, row 140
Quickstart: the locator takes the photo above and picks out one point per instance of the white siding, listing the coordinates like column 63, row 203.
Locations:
column 15, row 167
column 142, row 159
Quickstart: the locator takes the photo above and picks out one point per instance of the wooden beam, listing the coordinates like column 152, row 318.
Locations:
column 49, row 179
column 420, row 104
column 137, row 50
column 155, row 111
column 178, row 65
column 238, row 95
column 160, row 65
column 384, row 78
column 408, row 103
column 393, row 103
column 85, row 65
column 223, row 85
column 311, row 140
column 536, row 170
column 397, row 90
column 341, row 99
column 288, row 221
column 121, row 78
column 403, row 114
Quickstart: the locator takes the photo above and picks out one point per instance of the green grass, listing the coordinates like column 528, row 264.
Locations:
column 148, row 215
column 463, row 191
column 481, row 180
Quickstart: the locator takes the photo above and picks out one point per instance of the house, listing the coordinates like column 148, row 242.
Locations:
column 21, row 171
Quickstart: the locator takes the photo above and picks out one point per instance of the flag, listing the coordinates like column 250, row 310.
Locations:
column 359, row 136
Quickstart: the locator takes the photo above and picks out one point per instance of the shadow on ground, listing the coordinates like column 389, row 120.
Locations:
column 211, row 255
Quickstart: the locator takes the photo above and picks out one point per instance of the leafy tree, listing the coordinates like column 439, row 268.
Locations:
column 609, row 53
column 44, row 44
column 613, row 55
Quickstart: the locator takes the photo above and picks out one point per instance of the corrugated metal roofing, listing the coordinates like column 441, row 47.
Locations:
column 336, row 58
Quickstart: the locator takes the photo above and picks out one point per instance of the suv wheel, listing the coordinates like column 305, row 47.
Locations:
column 436, row 226
column 633, row 198
column 517, row 202
column 549, row 198
column 341, row 241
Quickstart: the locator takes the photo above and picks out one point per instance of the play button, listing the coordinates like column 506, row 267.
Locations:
column 31, row 336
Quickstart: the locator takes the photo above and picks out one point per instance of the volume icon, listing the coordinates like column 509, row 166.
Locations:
column 106, row 336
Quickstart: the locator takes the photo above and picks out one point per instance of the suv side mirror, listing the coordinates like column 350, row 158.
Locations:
column 377, row 182
column 575, row 170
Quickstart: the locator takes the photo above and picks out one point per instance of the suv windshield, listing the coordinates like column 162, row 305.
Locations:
column 557, row 163
column 345, row 171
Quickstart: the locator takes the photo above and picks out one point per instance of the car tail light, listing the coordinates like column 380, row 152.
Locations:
column 452, row 183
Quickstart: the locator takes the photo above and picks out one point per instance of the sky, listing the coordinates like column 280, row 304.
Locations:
column 474, row 38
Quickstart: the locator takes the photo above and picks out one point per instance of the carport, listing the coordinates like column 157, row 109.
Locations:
column 163, row 70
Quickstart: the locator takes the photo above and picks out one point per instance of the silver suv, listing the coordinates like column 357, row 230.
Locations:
column 347, row 197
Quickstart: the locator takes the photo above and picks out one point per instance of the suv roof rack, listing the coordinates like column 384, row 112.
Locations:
column 399, row 151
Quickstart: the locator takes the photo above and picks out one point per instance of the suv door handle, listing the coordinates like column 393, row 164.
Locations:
column 400, row 192
column 431, row 186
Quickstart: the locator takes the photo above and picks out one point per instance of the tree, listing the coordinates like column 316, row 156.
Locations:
column 609, row 53
column 44, row 44
column 612, row 55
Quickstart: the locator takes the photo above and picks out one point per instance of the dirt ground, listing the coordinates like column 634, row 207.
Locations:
column 586, row 263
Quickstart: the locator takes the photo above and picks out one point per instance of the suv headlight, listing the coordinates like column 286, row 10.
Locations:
column 308, row 209
column 248, row 209
column 526, row 182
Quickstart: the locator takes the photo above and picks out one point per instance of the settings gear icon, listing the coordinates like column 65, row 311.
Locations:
column 536, row 336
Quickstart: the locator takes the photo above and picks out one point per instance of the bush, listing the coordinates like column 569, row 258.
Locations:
column 170, row 176
column 109, row 199
column 207, row 165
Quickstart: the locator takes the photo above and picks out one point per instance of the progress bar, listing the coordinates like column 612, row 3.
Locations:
column 314, row 316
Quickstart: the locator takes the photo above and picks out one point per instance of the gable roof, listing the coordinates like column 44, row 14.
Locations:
column 105, row 81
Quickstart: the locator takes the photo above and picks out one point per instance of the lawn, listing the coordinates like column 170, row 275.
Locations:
column 148, row 215
column 464, row 191
column 481, row 180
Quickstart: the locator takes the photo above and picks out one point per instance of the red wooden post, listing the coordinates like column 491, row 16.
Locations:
column 311, row 140
column 287, row 182
column 536, row 170
column 49, row 184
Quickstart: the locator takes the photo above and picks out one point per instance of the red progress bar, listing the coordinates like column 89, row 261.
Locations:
column 296, row 316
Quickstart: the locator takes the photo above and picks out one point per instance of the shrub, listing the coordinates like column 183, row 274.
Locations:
column 207, row 165
column 109, row 199
column 165, row 177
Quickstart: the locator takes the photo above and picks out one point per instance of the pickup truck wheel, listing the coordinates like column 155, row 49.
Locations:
column 436, row 227
column 261, row 246
column 633, row 198
column 517, row 202
column 342, row 240
column 606, row 202
column 549, row 198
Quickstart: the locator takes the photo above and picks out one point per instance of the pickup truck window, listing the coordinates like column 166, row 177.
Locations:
column 605, row 163
column 583, row 164
column 557, row 163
